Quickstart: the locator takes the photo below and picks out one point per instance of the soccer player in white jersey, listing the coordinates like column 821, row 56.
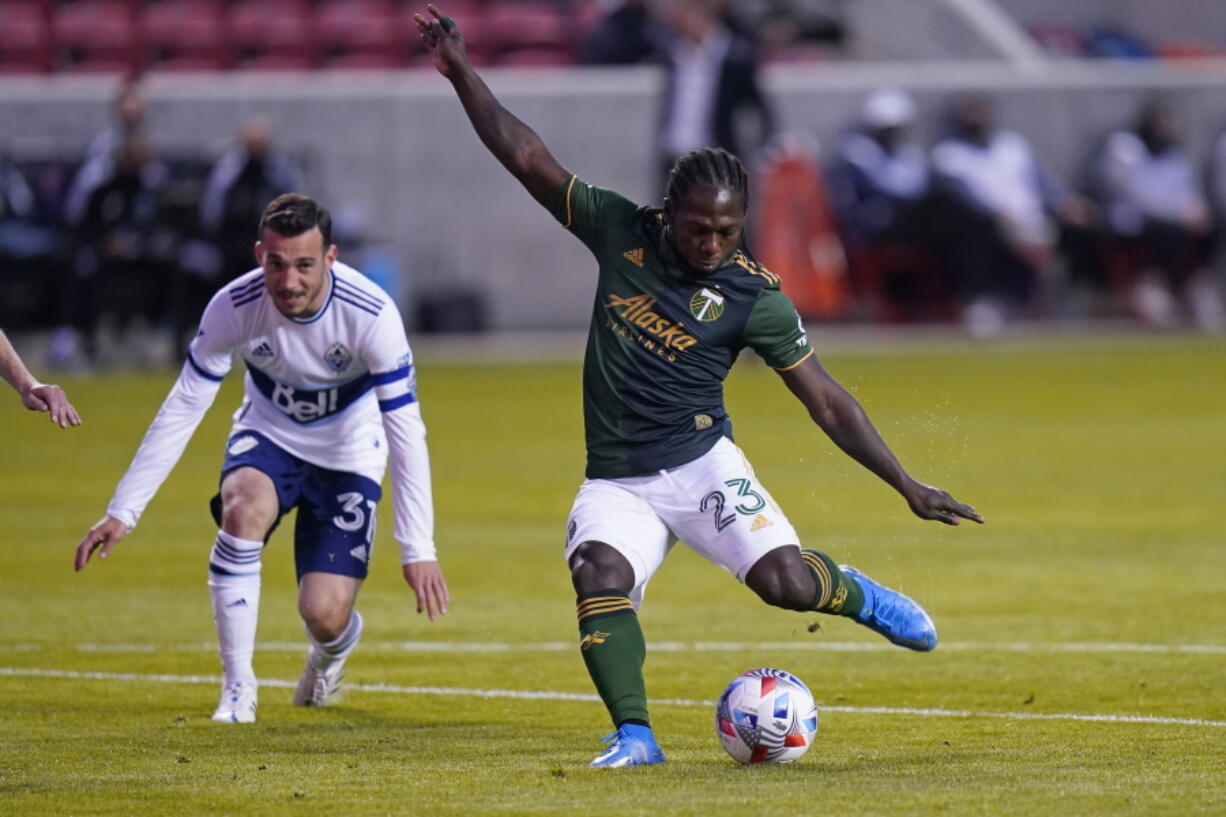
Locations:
column 330, row 391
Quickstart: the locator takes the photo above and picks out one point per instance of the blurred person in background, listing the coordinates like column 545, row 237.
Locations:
column 627, row 34
column 240, row 184
column 1158, row 218
column 878, row 185
column 998, row 217
column 34, row 395
column 123, row 261
column 98, row 164
column 711, row 93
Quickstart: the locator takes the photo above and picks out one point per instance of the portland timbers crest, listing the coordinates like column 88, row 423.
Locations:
column 338, row 357
column 707, row 305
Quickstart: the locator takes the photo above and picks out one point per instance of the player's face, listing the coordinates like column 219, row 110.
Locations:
column 295, row 269
column 706, row 226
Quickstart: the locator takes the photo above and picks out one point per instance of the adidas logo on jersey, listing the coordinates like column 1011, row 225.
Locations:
column 262, row 350
column 634, row 256
column 359, row 553
column 759, row 522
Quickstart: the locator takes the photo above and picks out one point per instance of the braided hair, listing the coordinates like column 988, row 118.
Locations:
column 707, row 166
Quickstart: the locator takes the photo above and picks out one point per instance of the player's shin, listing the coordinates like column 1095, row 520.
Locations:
column 837, row 593
column 234, row 585
column 614, row 650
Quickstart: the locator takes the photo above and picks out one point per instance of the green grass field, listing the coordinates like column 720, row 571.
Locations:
column 1083, row 661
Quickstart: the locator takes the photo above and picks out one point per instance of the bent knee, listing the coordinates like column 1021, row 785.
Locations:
column 248, row 504
column 596, row 566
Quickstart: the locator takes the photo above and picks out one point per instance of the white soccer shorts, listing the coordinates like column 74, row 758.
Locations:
column 713, row 504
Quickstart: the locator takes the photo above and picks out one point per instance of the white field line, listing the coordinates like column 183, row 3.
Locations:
column 550, row 695
column 656, row 646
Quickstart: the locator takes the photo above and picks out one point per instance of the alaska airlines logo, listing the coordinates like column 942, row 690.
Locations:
column 636, row 310
column 707, row 305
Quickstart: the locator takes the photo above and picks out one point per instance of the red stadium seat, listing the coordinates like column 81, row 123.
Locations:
column 350, row 32
column 181, row 35
column 537, row 57
column 271, row 32
column 95, row 35
column 25, row 38
column 530, row 24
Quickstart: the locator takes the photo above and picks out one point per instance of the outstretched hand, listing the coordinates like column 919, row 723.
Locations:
column 928, row 502
column 50, row 398
column 443, row 40
column 426, row 579
column 105, row 535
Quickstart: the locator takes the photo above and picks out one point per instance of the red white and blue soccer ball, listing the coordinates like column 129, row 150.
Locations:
column 766, row 716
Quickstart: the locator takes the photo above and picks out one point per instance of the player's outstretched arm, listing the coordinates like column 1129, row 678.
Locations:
column 843, row 419
column 102, row 537
column 35, row 396
column 512, row 142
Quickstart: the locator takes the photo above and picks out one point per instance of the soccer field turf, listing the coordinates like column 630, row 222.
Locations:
column 1082, row 667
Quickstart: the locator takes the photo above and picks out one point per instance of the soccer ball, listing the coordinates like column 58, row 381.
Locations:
column 766, row 716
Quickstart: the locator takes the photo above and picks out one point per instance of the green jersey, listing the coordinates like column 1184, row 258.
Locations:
column 662, row 340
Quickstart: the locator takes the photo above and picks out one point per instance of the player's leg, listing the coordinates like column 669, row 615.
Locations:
column 333, row 628
column 840, row 590
column 249, row 507
column 615, row 544
column 333, row 540
column 725, row 514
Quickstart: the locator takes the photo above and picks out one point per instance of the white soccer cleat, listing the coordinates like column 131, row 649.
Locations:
column 238, row 704
column 318, row 687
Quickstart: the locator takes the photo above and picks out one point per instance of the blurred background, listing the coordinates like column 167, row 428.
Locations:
column 986, row 166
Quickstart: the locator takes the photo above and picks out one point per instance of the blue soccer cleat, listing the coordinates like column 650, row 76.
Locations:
column 897, row 617
column 631, row 745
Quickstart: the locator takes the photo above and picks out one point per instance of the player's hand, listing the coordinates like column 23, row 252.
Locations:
column 105, row 535
column 426, row 579
column 928, row 502
column 51, row 398
column 443, row 40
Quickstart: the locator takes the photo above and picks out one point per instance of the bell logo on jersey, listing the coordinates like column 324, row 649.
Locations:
column 707, row 305
column 304, row 411
column 338, row 357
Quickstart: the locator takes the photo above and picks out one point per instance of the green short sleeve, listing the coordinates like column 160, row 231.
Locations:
column 775, row 331
column 590, row 212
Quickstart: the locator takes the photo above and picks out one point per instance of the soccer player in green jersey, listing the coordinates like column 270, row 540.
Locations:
column 677, row 299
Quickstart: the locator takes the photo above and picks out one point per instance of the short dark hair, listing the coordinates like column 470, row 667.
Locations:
column 707, row 166
column 292, row 214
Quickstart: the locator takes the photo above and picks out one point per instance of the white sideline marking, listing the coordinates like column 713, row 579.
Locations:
column 665, row 646
column 548, row 695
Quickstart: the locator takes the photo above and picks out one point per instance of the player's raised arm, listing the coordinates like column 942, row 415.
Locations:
column 512, row 142
column 840, row 415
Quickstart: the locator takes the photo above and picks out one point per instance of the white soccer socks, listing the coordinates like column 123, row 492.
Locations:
column 234, row 584
column 339, row 648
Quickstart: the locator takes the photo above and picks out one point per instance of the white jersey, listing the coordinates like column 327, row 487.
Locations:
column 337, row 389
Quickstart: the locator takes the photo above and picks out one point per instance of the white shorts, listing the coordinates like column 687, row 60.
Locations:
column 713, row 504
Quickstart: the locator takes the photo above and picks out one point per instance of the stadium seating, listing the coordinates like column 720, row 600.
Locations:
column 25, row 38
column 183, row 35
column 271, row 35
column 95, row 36
column 360, row 34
